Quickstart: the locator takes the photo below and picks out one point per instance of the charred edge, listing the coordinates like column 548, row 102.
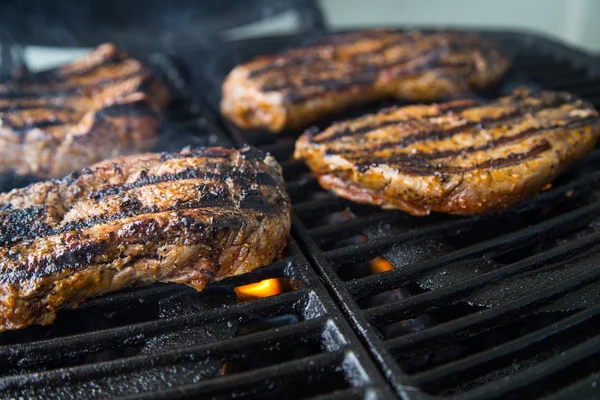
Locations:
column 404, row 157
column 518, row 112
column 241, row 178
column 82, row 253
column 67, row 90
column 17, row 226
column 326, row 85
column 423, row 168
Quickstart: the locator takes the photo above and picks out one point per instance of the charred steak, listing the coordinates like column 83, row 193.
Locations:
column 189, row 217
column 297, row 87
column 459, row 157
column 59, row 121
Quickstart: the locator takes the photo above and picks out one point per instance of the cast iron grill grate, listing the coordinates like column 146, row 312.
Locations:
column 496, row 306
column 169, row 341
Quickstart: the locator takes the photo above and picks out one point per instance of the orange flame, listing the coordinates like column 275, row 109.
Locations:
column 380, row 264
column 252, row 291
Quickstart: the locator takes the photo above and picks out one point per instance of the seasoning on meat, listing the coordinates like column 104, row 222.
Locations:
column 459, row 157
column 294, row 88
column 59, row 121
column 189, row 217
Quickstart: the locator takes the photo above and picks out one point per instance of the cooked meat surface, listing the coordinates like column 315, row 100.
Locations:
column 459, row 157
column 59, row 121
column 292, row 89
column 189, row 217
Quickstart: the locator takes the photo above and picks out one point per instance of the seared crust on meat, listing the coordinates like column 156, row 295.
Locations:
column 59, row 121
column 459, row 157
column 294, row 88
column 189, row 217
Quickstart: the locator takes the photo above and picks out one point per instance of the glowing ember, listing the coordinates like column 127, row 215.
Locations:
column 266, row 288
column 380, row 264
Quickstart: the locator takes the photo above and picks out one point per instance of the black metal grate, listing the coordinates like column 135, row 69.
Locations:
column 497, row 306
column 169, row 341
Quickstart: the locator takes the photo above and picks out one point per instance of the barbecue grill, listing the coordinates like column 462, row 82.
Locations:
column 499, row 306
column 365, row 303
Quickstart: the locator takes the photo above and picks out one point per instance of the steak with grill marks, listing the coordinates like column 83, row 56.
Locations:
column 59, row 121
column 189, row 217
column 296, row 87
column 459, row 157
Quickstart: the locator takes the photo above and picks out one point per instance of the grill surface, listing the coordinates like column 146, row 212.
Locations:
column 169, row 341
column 496, row 306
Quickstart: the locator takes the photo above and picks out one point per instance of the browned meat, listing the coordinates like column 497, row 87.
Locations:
column 297, row 87
column 189, row 217
column 60, row 121
column 460, row 157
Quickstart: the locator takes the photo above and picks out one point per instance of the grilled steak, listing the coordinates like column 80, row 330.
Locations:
column 189, row 217
column 295, row 88
column 459, row 157
column 59, row 121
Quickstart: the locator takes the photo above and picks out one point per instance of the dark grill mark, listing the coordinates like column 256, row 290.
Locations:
column 138, row 108
column 431, row 52
column 368, row 162
column 21, row 224
column 424, row 168
column 285, row 61
column 517, row 111
column 66, row 90
column 82, row 253
column 244, row 179
column 347, row 132
column 47, row 123
column 20, row 221
column 14, row 107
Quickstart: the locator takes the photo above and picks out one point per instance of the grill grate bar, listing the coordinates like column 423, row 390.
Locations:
column 256, row 379
column 420, row 304
column 588, row 388
column 354, row 225
column 57, row 347
column 518, row 380
column 280, row 151
column 368, row 285
column 302, row 332
column 322, row 206
column 372, row 247
column 359, row 393
column 484, row 318
column 506, row 349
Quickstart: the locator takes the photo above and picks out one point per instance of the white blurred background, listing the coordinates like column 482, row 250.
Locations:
column 572, row 21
